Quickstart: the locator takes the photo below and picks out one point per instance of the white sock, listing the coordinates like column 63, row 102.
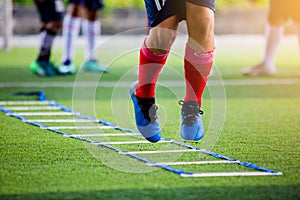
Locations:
column 90, row 30
column 71, row 28
column 273, row 37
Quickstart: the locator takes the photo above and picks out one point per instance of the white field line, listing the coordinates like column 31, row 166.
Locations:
column 222, row 174
column 126, row 40
column 234, row 82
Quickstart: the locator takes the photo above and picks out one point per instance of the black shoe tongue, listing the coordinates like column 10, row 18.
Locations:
column 191, row 105
column 144, row 101
column 148, row 108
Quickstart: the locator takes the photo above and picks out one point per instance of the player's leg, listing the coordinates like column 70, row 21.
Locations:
column 71, row 29
column 91, row 29
column 198, row 60
column 153, row 55
column 298, row 33
column 278, row 14
column 51, row 17
column 48, row 32
column 295, row 15
column 273, row 35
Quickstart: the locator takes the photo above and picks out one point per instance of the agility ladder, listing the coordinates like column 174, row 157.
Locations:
column 51, row 108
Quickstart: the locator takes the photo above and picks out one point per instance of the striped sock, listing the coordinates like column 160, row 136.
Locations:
column 150, row 67
column 197, row 66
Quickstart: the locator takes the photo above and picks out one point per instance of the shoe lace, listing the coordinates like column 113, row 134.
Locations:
column 190, row 112
column 148, row 108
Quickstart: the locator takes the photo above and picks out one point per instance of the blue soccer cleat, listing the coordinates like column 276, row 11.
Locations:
column 145, row 116
column 192, row 126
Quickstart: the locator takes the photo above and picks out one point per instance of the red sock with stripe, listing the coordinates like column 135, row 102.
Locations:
column 150, row 67
column 197, row 66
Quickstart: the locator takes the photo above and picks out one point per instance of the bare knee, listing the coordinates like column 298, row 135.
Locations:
column 162, row 36
column 91, row 14
column 200, row 22
column 75, row 10
column 160, row 40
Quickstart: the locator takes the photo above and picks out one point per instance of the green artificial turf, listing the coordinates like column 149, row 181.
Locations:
column 261, row 126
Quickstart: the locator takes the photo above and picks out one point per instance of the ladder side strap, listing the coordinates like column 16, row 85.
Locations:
column 190, row 148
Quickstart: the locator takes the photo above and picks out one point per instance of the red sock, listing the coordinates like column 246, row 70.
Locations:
column 197, row 66
column 150, row 67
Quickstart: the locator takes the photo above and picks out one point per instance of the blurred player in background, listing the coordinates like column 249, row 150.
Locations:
column 280, row 12
column 163, row 19
column 51, row 15
column 83, row 12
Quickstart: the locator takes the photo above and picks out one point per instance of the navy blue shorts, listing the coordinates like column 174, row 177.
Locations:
column 50, row 10
column 89, row 4
column 159, row 10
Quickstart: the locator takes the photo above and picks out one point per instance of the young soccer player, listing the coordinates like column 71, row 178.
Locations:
column 280, row 12
column 163, row 19
column 91, row 27
column 51, row 15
